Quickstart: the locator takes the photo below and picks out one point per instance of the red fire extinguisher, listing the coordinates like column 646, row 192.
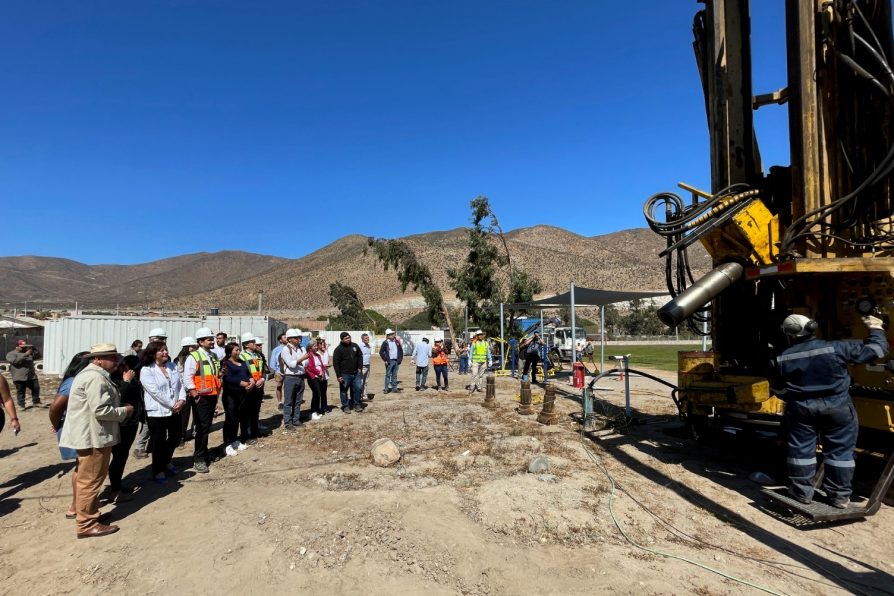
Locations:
column 578, row 374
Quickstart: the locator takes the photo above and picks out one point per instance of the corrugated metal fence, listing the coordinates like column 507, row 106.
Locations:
column 68, row 336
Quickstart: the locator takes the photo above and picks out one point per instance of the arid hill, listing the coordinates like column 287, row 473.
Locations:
column 622, row 260
column 51, row 280
column 231, row 280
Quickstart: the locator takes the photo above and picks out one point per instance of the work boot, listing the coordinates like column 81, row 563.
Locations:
column 97, row 531
column 200, row 467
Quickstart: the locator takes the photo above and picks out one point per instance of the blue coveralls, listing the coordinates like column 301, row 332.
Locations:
column 814, row 384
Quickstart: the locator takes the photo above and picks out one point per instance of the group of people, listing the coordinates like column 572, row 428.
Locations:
column 104, row 396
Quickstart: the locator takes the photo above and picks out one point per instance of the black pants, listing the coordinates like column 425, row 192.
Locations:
column 531, row 363
column 236, row 415
column 203, row 413
column 120, row 453
column 165, row 433
column 253, row 402
column 318, row 401
column 184, row 422
column 22, row 386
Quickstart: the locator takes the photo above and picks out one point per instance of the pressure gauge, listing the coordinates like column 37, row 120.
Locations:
column 865, row 306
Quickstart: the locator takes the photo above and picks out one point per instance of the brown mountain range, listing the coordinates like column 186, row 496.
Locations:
column 626, row 260
column 618, row 261
column 49, row 280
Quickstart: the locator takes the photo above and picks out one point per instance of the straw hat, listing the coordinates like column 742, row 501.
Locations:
column 102, row 350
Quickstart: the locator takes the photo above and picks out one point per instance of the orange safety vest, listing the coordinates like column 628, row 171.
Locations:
column 440, row 359
column 254, row 365
column 207, row 378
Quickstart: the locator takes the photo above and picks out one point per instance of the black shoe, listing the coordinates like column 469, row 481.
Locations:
column 370, row 396
column 445, row 388
column 385, row 391
column 417, row 387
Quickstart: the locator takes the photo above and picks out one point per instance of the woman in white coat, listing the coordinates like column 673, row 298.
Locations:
column 164, row 397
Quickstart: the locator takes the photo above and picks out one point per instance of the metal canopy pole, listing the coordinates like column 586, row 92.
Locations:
column 602, row 339
column 502, row 340
column 573, row 330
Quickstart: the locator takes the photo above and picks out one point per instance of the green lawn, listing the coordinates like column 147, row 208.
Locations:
column 658, row 357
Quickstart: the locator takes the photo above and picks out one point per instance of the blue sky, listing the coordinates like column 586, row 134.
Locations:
column 139, row 130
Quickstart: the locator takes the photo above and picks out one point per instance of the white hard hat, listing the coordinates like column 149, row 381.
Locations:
column 188, row 341
column 248, row 337
column 389, row 331
column 204, row 332
column 158, row 332
column 798, row 326
column 293, row 333
column 259, row 339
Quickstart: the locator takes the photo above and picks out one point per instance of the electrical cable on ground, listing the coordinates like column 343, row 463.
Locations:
column 611, row 497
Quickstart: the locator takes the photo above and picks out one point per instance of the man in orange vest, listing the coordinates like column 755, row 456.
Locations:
column 201, row 380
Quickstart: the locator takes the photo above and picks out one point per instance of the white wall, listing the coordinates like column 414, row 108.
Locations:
column 68, row 336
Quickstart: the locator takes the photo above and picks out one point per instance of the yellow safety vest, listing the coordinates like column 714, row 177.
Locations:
column 206, row 379
column 479, row 351
column 254, row 365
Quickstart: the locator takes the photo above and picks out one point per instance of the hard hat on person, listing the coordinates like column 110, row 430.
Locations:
column 798, row 326
column 293, row 333
column 204, row 332
column 248, row 337
column 188, row 341
column 259, row 340
column 158, row 332
column 389, row 331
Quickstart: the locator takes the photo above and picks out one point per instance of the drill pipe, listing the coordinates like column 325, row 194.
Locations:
column 700, row 293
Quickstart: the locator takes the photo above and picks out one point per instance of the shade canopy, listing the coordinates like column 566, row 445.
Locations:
column 584, row 297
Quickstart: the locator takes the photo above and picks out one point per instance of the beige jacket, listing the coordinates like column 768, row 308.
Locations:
column 94, row 411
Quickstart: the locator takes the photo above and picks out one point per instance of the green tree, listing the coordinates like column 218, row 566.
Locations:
column 345, row 299
column 643, row 319
column 476, row 283
column 412, row 272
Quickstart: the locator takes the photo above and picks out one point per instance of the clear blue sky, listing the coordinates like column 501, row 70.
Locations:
column 136, row 130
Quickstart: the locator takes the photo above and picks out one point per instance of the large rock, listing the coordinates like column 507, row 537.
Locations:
column 384, row 453
column 539, row 465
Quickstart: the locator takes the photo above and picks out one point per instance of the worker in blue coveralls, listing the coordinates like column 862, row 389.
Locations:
column 812, row 378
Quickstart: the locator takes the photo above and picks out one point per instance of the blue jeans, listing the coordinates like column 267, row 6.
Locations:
column 835, row 420
column 354, row 381
column 441, row 371
column 293, row 397
column 391, row 375
column 463, row 365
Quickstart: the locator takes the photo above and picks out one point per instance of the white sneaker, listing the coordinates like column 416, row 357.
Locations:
column 315, row 416
column 230, row 451
column 239, row 446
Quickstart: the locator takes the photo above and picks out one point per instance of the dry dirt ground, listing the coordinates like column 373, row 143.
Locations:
column 459, row 514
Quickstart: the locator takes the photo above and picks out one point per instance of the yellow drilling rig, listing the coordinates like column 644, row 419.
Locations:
column 815, row 237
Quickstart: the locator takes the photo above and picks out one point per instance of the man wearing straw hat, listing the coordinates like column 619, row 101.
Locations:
column 91, row 427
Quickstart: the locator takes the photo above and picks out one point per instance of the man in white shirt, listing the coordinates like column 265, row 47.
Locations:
column 289, row 361
column 421, row 354
column 366, row 350
column 201, row 381
column 220, row 344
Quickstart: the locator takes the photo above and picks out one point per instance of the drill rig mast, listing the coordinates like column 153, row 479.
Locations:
column 815, row 237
